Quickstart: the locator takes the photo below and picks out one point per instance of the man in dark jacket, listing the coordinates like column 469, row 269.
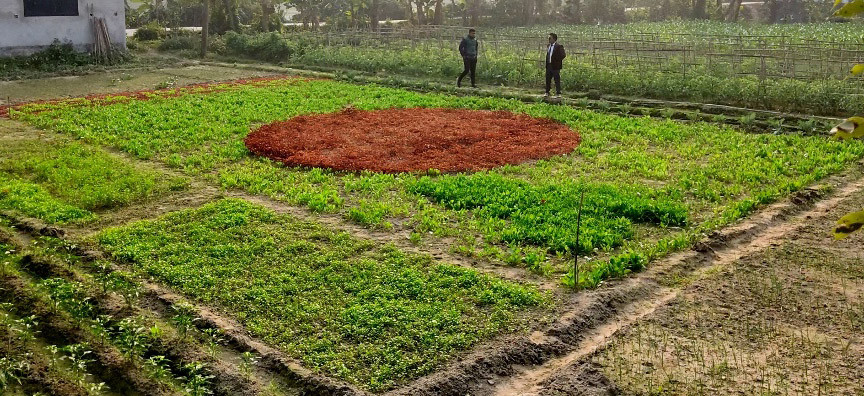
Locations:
column 554, row 63
column 468, row 49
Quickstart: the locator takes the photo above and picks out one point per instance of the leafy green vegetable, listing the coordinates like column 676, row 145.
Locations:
column 547, row 215
column 82, row 175
column 661, row 171
column 31, row 200
column 374, row 316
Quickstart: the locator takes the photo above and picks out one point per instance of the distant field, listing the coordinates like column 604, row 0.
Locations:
column 797, row 32
column 800, row 68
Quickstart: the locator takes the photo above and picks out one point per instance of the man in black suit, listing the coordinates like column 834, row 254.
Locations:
column 554, row 58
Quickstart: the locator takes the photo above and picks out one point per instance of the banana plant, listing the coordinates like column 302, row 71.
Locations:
column 851, row 128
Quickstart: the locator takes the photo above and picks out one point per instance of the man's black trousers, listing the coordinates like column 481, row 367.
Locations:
column 470, row 67
column 556, row 74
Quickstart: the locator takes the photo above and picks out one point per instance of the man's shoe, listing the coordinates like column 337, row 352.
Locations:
column 546, row 95
column 557, row 96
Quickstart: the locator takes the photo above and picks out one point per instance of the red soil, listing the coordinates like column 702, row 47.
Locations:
column 111, row 98
column 405, row 140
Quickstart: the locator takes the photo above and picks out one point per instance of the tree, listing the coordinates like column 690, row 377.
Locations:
column 409, row 10
column 527, row 12
column 699, row 10
column 373, row 15
column 733, row 11
column 230, row 8
column 575, row 10
column 421, row 12
column 786, row 11
column 539, row 9
column 309, row 12
column 438, row 19
column 266, row 14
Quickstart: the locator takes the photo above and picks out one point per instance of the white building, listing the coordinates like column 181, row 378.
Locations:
column 288, row 13
column 27, row 26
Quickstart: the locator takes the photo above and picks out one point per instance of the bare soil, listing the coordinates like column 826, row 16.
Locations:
column 117, row 81
column 147, row 94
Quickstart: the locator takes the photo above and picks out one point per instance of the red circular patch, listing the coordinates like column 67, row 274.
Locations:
column 405, row 140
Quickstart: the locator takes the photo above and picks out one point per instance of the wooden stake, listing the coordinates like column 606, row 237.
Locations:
column 205, row 28
column 576, row 251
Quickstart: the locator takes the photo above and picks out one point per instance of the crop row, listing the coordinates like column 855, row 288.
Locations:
column 693, row 30
column 505, row 66
column 97, row 319
column 83, row 343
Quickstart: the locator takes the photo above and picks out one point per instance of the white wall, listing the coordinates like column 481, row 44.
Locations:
column 20, row 35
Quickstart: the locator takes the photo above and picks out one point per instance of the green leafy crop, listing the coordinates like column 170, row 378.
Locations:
column 370, row 315
column 651, row 185
column 31, row 200
column 547, row 215
column 62, row 182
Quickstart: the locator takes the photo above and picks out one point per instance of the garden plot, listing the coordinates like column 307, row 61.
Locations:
column 370, row 315
column 671, row 181
column 353, row 308
column 64, row 182
column 411, row 140
column 785, row 320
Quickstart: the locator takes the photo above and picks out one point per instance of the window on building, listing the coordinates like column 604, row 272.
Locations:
column 37, row 8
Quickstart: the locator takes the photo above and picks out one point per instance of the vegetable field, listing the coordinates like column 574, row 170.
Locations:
column 143, row 243
column 370, row 315
column 789, row 68
column 669, row 182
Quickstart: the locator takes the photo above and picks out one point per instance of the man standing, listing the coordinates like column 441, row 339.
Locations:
column 554, row 62
column 468, row 50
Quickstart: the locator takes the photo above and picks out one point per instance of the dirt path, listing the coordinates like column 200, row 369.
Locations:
column 114, row 81
column 528, row 380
